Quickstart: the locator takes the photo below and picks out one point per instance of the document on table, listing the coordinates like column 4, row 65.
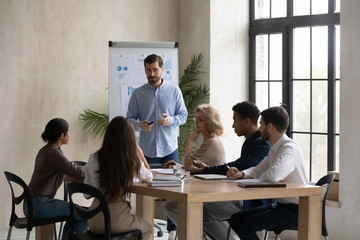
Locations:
column 163, row 170
column 210, row 176
column 164, row 183
column 166, row 177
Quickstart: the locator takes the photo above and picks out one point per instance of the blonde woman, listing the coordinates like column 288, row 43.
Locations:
column 211, row 152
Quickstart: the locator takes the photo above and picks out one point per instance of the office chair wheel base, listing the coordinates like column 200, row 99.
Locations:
column 160, row 233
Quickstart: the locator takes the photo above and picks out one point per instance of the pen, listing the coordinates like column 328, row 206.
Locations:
column 226, row 165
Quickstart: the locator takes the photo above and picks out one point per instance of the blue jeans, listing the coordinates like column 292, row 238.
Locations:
column 162, row 160
column 246, row 223
column 45, row 207
column 248, row 204
column 158, row 162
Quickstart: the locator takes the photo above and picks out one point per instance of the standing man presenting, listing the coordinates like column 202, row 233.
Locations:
column 157, row 109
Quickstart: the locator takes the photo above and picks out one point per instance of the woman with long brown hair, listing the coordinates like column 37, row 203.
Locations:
column 113, row 169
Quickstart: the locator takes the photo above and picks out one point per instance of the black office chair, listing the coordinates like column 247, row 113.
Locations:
column 327, row 179
column 77, row 163
column 85, row 213
column 26, row 222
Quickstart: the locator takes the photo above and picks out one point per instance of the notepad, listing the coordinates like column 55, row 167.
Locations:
column 210, row 176
column 252, row 184
column 164, row 183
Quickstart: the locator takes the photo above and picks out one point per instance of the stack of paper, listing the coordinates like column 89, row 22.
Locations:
column 163, row 177
column 164, row 183
column 163, row 170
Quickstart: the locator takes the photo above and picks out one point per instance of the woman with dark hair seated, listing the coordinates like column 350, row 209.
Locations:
column 51, row 167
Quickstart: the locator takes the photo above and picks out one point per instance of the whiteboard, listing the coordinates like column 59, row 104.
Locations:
column 127, row 72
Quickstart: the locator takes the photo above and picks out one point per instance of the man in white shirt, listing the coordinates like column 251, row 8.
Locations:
column 285, row 163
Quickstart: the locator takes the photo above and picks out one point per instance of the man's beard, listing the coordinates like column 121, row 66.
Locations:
column 153, row 80
column 265, row 136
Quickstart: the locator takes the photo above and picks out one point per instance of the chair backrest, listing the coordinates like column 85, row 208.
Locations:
column 327, row 179
column 77, row 163
column 86, row 213
column 17, row 199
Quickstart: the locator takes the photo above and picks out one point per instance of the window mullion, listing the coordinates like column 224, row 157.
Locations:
column 331, row 97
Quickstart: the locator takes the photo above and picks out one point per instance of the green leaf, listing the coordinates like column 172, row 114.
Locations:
column 194, row 94
column 94, row 123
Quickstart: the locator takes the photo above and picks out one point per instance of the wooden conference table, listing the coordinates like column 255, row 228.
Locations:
column 191, row 196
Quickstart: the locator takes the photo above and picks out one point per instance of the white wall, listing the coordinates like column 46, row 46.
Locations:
column 229, row 65
column 344, row 222
column 54, row 63
column 218, row 30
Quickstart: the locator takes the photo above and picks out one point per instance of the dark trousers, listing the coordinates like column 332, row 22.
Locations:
column 158, row 162
column 246, row 223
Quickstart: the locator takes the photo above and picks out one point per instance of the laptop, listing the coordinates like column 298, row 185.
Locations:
column 210, row 176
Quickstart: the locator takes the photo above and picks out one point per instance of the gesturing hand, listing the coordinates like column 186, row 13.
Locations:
column 164, row 121
column 146, row 125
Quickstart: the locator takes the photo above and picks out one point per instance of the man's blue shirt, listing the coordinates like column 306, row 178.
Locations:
column 252, row 152
column 149, row 103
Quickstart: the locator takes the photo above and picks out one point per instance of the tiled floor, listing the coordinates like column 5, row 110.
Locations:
column 20, row 234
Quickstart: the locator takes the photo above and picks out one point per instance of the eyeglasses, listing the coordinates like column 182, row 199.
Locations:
column 197, row 119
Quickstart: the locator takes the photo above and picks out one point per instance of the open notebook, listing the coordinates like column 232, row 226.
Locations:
column 210, row 176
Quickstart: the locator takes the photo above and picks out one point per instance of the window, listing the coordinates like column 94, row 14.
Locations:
column 294, row 60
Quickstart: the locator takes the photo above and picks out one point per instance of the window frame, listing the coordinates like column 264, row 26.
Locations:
column 285, row 26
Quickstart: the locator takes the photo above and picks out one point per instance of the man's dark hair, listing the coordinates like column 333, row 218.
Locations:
column 152, row 59
column 247, row 110
column 277, row 116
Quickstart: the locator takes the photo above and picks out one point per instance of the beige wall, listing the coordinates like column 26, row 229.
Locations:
column 218, row 30
column 229, row 65
column 344, row 222
column 54, row 63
